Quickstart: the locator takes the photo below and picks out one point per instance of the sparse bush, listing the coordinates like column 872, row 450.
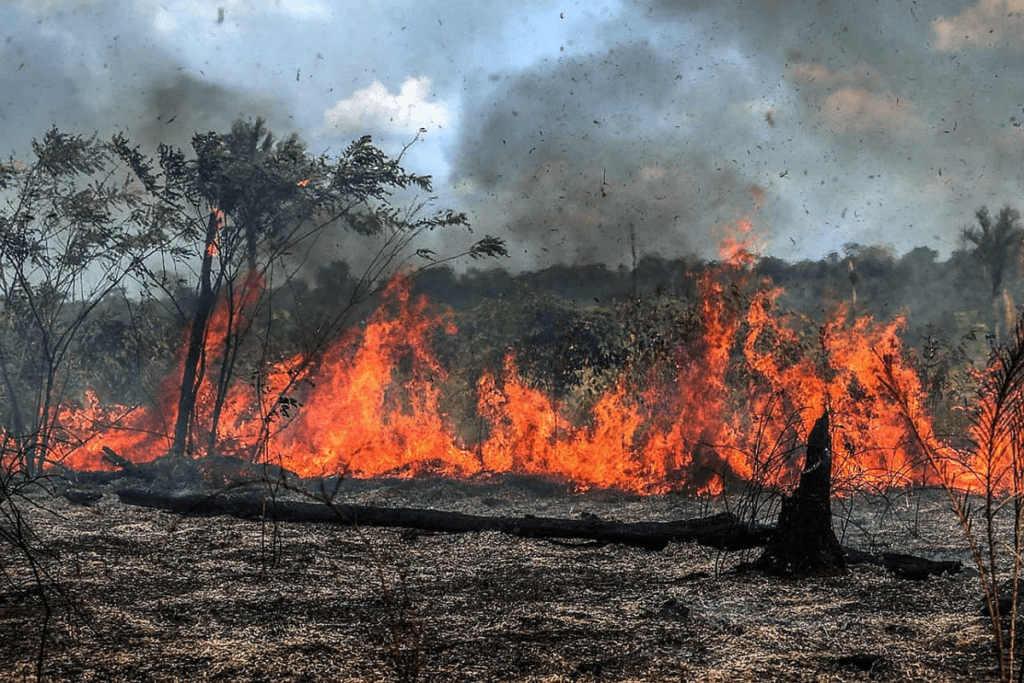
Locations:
column 25, row 579
column 984, row 481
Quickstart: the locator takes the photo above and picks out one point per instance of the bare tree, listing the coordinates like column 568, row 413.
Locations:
column 70, row 234
column 246, row 200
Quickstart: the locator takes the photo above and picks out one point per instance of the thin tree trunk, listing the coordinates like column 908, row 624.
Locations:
column 191, row 375
column 13, row 401
column 225, row 375
column 43, row 436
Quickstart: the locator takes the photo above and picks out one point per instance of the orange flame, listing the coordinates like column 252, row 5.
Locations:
column 213, row 245
column 734, row 246
column 736, row 402
column 143, row 434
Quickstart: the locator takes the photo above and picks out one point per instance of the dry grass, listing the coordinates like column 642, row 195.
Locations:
column 163, row 598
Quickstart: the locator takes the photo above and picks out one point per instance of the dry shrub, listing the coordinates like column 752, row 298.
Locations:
column 983, row 479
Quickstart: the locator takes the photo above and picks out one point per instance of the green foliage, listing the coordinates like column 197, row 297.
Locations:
column 654, row 330
column 948, row 379
column 551, row 339
column 278, row 199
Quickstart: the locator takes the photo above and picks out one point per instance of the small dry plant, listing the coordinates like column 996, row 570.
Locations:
column 775, row 447
column 26, row 580
column 984, row 480
column 401, row 630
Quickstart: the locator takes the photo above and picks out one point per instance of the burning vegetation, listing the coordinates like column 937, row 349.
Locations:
column 729, row 402
column 730, row 405
column 709, row 382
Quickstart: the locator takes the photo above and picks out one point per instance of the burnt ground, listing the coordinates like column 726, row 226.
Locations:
column 150, row 596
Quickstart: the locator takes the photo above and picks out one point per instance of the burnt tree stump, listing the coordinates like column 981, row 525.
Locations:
column 804, row 543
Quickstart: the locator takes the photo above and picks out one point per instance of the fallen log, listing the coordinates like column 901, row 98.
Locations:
column 902, row 565
column 724, row 530
column 212, row 470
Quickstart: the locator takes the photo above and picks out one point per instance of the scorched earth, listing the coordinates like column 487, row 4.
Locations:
column 152, row 596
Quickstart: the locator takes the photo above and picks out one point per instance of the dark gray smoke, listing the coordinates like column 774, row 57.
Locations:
column 95, row 67
column 825, row 122
column 173, row 106
column 585, row 153
column 875, row 123
column 901, row 114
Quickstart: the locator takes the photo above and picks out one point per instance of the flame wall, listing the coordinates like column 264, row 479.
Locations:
column 737, row 403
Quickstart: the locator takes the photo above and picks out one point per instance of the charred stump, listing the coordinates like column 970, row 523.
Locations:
column 804, row 543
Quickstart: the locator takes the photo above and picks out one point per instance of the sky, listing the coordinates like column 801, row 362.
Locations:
column 581, row 132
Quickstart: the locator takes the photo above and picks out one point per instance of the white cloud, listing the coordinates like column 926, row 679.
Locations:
column 164, row 21
column 984, row 25
column 857, row 109
column 373, row 107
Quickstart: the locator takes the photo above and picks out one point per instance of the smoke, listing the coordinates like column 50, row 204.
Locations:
column 904, row 114
column 98, row 67
column 175, row 105
column 592, row 157
column 578, row 132
column 851, row 122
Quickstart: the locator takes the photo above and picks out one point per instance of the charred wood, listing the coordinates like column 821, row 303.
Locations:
column 724, row 530
column 902, row 565
column 805, row 543
column 126, row 466
column 80, row 479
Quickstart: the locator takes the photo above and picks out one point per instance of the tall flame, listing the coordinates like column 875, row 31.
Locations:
column 371, row 405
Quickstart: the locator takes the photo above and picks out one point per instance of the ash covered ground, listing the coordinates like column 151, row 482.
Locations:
column 152, row 596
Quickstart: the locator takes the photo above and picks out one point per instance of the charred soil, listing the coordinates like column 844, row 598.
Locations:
column 152, row 596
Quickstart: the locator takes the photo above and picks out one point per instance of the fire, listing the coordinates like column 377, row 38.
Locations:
column 213, row 244
column 735, row 245
column 143, row 434
column 529, row 435
column 732, row 407
column 363, row 418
